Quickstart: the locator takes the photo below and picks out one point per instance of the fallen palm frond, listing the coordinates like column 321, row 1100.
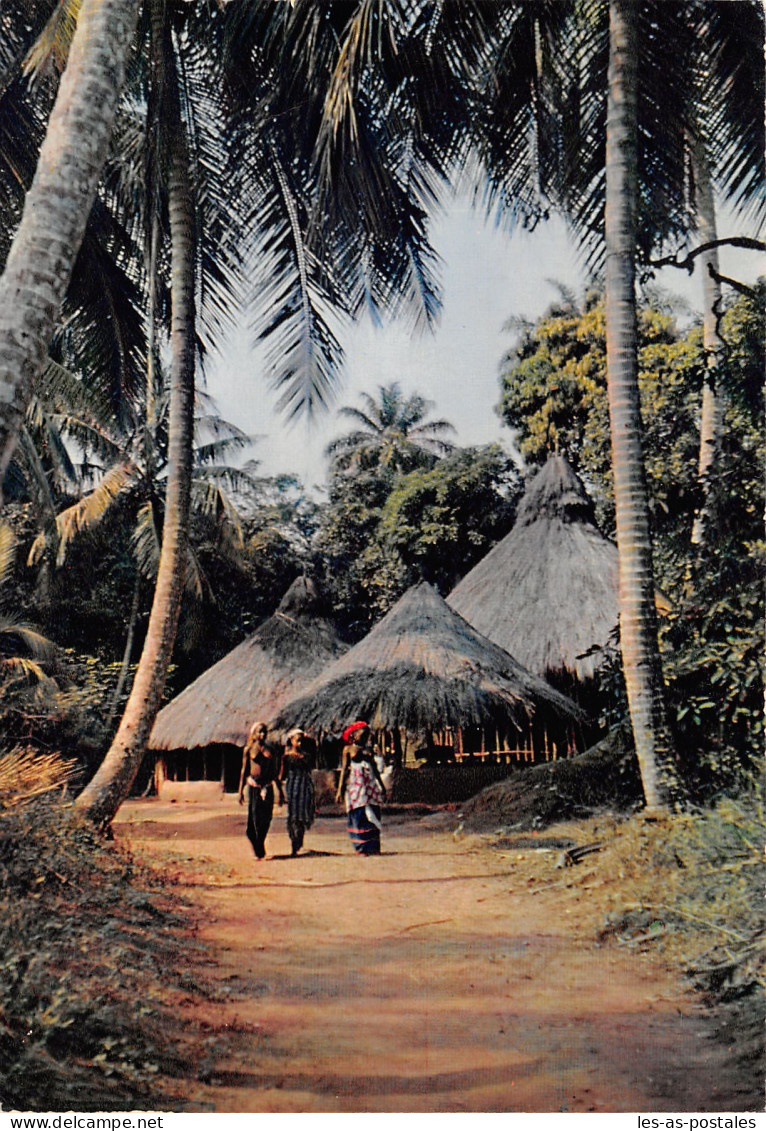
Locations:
column 26, row 775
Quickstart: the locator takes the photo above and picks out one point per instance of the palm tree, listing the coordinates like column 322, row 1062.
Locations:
column 305, row 356
column 711, row 414
column 729, row 140
column 393, row 433
column 56, row 210
column 638, row 629
column 615, row 161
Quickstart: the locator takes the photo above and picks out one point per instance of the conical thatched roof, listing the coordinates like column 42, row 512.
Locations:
column 256, row 678
column 547, row 592
column 422, row 667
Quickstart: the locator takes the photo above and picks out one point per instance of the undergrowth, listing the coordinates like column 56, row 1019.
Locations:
column 90, row 949
column 694, row 883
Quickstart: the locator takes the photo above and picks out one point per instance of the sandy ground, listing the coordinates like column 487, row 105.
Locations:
column 442, row 976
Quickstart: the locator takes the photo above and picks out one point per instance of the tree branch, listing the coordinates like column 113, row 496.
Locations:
column 742, row 288
column 687, row 264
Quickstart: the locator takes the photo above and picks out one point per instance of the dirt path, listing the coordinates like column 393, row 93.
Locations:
column 441, row 976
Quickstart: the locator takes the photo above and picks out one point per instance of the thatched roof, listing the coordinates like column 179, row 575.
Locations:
column 422, row 667
column 547, row 592
column 256, row 678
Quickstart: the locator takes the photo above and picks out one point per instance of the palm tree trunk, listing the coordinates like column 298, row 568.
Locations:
column 58, row 203
column 126, row 654
column 638, row 628
column 103, row 796
column 712, row 344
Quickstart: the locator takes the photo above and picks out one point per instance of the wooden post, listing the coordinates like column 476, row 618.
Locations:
column 398, row 755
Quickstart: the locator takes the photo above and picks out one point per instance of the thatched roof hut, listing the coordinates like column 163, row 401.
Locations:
column 547, row 592
column 423, row 668
column 256, row 678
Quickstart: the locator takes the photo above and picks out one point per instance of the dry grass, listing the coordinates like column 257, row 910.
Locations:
column 92, row 952
column 26, row 775
column 689, row 887
column 695, row 881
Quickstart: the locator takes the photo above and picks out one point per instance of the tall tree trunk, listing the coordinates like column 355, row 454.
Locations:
column 127, row 652
column 712, row 344
column 638, row 627
column 58, row 203
column 103, row 796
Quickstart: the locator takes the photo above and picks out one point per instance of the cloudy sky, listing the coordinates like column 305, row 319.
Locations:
column 488, row 277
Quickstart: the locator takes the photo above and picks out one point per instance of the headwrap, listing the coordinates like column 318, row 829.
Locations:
column 293, row 732
column 351, row 730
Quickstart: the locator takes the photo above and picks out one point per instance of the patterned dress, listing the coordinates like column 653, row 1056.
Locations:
column 364, row 798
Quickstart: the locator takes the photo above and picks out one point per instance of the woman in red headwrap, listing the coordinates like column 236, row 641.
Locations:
column 361, row 783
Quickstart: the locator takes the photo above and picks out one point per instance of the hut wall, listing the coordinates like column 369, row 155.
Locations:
column 216, row 763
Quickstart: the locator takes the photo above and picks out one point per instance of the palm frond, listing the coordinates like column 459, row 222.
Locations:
column 16, row 635
column 729, row 63
column 195, row 581
column 52, row 47
column 146, row 541
column 86, row 513
column 7, row 552
column 210, row 500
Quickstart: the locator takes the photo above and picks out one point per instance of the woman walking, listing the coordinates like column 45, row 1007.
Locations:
column 260, row 771
column 361, row 783
column 297, row 764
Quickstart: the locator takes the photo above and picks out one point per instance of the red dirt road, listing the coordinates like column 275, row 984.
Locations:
column 440, row 977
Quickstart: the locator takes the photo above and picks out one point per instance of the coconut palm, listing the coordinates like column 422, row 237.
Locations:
column 617, row 165
column 305, row 356
column 393, row 433
column 298, row 328
column 729, row 142
column 56, row 209
column 638, row 630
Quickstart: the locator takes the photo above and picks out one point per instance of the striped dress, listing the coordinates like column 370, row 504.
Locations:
column 301, row 800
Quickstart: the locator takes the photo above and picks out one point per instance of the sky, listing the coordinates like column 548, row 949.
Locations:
column 487, row 278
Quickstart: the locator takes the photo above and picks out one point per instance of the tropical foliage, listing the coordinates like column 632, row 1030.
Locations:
column 304, row 147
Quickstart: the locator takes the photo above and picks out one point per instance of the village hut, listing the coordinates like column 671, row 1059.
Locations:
column 199, row 734
column 424, row 674
column 547, row 592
